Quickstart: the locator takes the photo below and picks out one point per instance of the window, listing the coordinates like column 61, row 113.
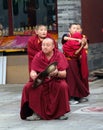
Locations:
column 26, row 14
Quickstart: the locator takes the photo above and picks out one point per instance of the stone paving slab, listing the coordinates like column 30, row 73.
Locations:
column 79, row 118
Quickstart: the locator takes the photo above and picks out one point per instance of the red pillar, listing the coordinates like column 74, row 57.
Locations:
column 10, row 17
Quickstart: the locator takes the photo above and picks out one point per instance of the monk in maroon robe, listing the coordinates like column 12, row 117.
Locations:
column 77, row 72
column 72, row 45
column 34, row 43
column 50, row 99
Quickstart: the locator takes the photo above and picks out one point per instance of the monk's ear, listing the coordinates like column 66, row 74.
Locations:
column 53, row 46
column 69, row 30
column 36, row 32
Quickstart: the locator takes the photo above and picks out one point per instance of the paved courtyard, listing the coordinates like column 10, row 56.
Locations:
column 84, row 116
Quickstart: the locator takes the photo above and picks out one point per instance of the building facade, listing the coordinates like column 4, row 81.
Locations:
column 91, row 19
column 18, row 15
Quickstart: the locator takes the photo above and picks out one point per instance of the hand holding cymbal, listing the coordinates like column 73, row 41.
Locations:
column 41, row 77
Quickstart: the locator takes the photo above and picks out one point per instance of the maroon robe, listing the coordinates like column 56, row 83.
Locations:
column 77, row 72
column 49, row 100
column 34, row 46
column 72, row 45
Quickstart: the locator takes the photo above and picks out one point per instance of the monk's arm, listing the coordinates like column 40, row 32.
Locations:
column 78, row 51
column 61, row 74
column 58, row 73
column 70, row 38
column 33, row 74
column 86, row 46
column 84, row 39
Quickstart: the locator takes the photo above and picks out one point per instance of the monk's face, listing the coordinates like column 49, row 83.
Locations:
column 79, row 29
column 42, row 31
column 47, row 46
column 73, row 29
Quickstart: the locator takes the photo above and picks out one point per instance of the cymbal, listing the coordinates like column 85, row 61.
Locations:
column 41, row 76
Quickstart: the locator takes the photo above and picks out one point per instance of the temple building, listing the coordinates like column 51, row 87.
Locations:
column 18, row 19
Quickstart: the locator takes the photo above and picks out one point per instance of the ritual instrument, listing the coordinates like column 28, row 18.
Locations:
column 44, row 74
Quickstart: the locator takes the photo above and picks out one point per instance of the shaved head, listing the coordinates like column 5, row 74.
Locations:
column 48, row 40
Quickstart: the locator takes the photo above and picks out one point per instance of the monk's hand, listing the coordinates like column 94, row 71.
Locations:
column 84, row 41
column 54, row 73
column 33, row 74
column 66, row 38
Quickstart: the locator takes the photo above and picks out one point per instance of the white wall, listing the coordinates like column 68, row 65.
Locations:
column 3, row 61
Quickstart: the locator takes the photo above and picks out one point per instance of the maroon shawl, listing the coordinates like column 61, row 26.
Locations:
column 71, row 46
column 40, row 58
column 49, row 100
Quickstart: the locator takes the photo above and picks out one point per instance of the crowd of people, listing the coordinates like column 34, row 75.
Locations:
column 65, row 85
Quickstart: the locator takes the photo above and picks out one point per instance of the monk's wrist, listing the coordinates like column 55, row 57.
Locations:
column 57, row 74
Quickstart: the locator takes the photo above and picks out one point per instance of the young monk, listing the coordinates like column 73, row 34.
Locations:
column 77, row 72
column 34, row 43
column 83, row 37
column 50, row 99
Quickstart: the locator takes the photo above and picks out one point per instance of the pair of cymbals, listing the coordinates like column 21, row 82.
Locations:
column 41, row 76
